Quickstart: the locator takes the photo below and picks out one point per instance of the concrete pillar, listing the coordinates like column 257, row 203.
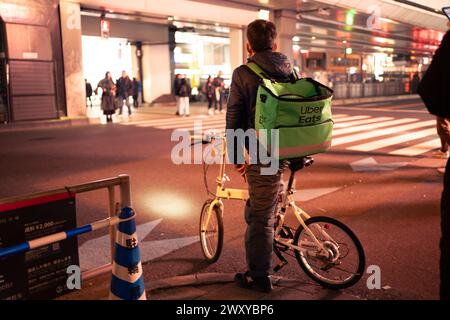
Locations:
column 285, row 21
column 73, row 62
column 237, row 48
column 156, row 80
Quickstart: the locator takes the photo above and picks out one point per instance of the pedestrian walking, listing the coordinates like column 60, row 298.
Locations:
column 89, row 92
column 263, row 189
column 184, row 92
column 108, row 95
column 124, row 91
column 208, row 90
column 434, row 90
column 415, row 83
column 219, row 89
column 176, row 89
column 137, row 93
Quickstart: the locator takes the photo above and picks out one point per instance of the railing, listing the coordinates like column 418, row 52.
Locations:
column 122, row 181
column 360, row 90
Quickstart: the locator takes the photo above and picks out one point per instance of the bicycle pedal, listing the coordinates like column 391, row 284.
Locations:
column 279, row 266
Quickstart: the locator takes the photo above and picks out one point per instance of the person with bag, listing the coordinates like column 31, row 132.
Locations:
column 264, row 92
column 434, row 89
column 108, row 96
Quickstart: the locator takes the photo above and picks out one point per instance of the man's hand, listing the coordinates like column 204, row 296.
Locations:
column 241, row 169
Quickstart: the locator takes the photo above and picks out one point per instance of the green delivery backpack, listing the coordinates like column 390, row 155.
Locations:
column 299, row 109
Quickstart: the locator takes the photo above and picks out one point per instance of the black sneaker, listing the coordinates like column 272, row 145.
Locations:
column 263, row 284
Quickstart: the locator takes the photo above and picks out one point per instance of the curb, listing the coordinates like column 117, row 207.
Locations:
column 189, row 280
column 48, row 124
column 200, row 279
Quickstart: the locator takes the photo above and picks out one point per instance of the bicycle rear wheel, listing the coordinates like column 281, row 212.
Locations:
column 343, row 263
column 211, row 233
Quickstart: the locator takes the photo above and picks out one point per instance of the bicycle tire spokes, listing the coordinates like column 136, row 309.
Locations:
column 339, row 260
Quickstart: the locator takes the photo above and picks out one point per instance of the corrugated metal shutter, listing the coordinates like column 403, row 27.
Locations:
column 32, row 90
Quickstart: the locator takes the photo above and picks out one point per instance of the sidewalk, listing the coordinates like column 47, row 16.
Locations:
column 212, row 286
column 155, row 111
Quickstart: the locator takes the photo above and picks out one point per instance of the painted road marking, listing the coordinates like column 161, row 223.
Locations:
column 383, row 132
column 384, row 143
column 360, row 122
column 352, row 118
column 372, row 126
column 371, row 165
column 96, row 252
column 304, row 195
column 418, row 148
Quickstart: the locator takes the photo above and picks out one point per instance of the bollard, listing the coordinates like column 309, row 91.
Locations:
column 127, row 281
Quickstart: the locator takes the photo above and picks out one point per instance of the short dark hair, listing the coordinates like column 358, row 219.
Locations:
column 261, row 35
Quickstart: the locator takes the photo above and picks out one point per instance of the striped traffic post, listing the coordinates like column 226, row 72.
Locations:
column 127, row 282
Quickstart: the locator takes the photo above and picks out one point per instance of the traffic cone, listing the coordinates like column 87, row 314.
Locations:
column 127, row 282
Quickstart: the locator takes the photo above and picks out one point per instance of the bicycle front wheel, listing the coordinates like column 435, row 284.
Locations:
column 341, row 264
column 211, row 232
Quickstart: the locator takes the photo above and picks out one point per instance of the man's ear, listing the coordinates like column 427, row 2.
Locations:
column 275, row 47
column 250, row 50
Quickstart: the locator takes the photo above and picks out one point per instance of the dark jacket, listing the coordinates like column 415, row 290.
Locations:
column 176, row 86
column 88, row 90
column 184, row 89
column 208, row 89
column 244, row 86
column 434, row 89
column 124, row 87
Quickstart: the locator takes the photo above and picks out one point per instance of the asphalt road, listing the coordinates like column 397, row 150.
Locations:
column 392, row 207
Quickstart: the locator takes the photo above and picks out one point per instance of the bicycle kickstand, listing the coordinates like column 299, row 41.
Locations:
column 283, row 260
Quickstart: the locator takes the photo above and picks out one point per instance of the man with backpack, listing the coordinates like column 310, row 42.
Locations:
column 263, row 189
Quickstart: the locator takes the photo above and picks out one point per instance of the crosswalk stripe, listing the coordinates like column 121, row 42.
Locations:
column 383, row 132
column 191, row 124
column 351, row 118
column 418, row 148
column 167, row 120
column 359, row 122
column 337, row 116
column 404, row 106
column 383, row 143
column 372, row 126
column 178, row 124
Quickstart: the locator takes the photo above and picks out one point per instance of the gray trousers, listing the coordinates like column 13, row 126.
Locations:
column 260, row 218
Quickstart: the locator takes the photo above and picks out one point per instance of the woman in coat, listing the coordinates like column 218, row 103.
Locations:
column 108, row 88
column 208, row 90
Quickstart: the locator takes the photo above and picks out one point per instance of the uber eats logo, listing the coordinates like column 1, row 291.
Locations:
column 310, row 115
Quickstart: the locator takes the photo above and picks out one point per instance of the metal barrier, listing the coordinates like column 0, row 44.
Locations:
column 360, row 90
column 122, row 181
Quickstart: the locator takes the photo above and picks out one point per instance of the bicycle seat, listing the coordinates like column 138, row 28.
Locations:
column 297, row 164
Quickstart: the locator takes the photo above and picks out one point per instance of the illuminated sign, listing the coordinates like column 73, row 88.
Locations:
column 104, row 28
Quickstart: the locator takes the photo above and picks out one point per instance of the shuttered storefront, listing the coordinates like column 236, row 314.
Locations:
column 32, row 90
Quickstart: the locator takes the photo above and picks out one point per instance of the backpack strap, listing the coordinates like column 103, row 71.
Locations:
column 260, row 72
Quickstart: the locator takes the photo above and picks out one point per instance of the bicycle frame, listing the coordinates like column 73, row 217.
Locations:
column 242, row 194
column 221, row 191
